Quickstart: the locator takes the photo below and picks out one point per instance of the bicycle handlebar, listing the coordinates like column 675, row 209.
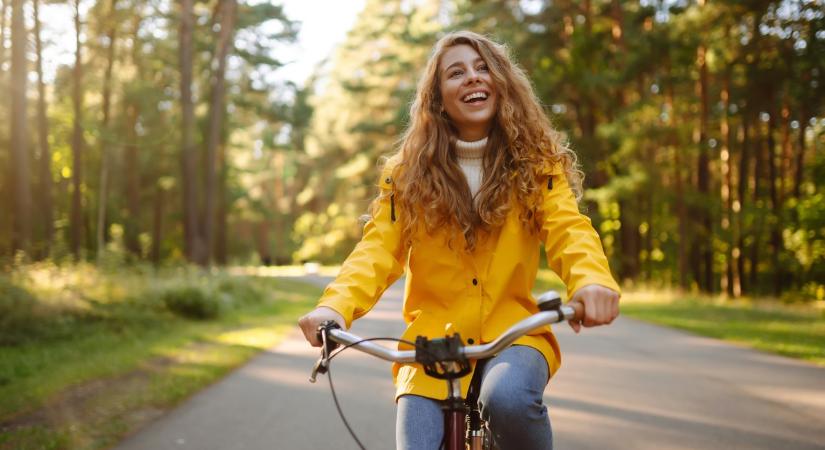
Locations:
column 552, row 314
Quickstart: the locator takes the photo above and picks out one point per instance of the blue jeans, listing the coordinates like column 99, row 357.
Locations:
column 512, row 384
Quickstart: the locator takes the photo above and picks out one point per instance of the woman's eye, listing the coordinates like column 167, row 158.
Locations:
column 482, row 68
column 455, row 73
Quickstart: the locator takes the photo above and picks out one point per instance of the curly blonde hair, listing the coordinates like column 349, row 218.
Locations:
column 430, row 188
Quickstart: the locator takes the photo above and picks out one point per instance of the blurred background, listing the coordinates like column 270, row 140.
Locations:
column 248, row 132
column 165, row 163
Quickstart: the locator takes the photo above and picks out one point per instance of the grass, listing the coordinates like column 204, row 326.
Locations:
column 797, row 331
column 112, row 356
column 794, row 330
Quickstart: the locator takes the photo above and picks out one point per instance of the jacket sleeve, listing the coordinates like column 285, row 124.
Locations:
column 574, row 250
column 377, row 261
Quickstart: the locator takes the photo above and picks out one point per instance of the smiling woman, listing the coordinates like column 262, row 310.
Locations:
column 469, row 96
column 480, row 181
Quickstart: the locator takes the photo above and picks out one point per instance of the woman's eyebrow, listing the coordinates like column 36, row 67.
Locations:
column 460, row 63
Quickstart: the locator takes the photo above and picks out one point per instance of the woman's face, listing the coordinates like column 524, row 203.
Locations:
column 467, row 91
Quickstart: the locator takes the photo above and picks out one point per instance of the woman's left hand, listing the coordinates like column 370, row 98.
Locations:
column 601, row 306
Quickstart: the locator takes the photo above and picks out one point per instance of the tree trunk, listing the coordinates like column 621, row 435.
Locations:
column 758, row 215
column 776, row 206
column 157, row 224
column 703, row 262
column 131, row 156
column 106, row 140
column 223, row 208
column 731, row 281
column 228, row 9
column 20, row 179
column 45, row 159
column 262, row 241
column 681, row 210
column 728, row 276
column 76, row 224
column 630, row 240
column 193, row 242
column 3, row 13
column 785, row 175
column 132, row 162
column 800, row 155
column 744, row 171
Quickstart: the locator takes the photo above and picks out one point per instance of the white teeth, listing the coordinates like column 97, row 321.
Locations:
column 469, row 97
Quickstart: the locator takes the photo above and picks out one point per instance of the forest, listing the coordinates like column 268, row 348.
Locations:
column 167, row 141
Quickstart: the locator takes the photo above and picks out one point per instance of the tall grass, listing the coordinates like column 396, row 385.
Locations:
column 108, row 332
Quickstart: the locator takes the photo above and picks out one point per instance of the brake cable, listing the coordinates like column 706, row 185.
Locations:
column 329, row 374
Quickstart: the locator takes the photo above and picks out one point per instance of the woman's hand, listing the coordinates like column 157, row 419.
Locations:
column 601, row 306
column 310, row 322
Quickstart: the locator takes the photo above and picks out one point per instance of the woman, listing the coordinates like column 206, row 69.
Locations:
column 479, row 182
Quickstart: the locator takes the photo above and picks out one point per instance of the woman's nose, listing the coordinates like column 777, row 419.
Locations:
column 472, row 76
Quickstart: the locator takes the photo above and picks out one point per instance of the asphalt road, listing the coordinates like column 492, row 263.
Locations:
column 627, row 386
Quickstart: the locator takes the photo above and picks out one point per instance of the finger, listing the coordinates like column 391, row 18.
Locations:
column 313, row 337
column 614, row 310
column 602, row 311
column 310, row 334
column 575, row 325
column 591, row 313
column 578, row 307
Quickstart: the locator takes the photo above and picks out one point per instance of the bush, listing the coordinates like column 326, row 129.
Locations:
column 18, row 319
column 241, row 292
column 192, row 302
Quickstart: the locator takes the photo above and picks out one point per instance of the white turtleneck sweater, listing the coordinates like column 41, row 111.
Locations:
column 470, row 156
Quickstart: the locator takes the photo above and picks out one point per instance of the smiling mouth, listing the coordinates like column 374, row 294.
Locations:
column 475, row 97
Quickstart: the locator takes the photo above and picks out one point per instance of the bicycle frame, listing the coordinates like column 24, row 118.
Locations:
column 450, row 357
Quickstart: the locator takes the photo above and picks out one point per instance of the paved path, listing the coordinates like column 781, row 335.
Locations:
column 628, row 386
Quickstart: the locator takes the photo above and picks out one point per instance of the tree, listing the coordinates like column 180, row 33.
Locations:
column 45, row 157
column 227, row 15
column 21, row 187
column 105, row 126
column 193, row 245
column 76, row 225
column 376, row 68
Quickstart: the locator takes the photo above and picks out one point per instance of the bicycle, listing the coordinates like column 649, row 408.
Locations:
column 446, row 358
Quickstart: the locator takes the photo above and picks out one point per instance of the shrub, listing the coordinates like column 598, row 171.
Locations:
column 191, row 302
column 18, row 318
column 240, row 291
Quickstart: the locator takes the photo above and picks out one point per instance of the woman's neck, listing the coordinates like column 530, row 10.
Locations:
column 472, row 135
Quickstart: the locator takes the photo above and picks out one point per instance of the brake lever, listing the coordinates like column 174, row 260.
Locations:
column 320, row 367
column 327, row 347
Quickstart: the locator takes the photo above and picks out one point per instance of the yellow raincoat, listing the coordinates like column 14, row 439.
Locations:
column 481, row 293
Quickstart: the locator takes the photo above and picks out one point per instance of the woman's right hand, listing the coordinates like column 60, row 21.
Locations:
column 310, row 322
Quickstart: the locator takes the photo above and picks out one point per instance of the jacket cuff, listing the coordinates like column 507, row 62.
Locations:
column 600, row 281
column 344, row 308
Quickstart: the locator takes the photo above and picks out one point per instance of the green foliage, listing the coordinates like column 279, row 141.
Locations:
column 298, row 161
column 209, row 298
column 44, row 302
column 192, row 302
column 127, row 356
column 243, row 292
column 17, row 312
column 357, row 119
